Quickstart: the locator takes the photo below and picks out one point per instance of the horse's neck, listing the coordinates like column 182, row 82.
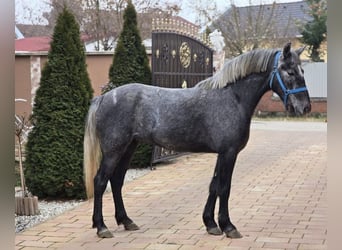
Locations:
column 250, row 90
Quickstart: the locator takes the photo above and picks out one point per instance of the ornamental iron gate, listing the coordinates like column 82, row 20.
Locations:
column 179, row 60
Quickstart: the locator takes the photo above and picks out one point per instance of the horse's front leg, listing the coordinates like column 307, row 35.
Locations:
column 226, row 164
column 209, row 209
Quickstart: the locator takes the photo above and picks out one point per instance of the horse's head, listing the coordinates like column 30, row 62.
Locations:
column 288, row 81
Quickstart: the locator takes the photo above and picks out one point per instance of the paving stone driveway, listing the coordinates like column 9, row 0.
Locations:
column 278, row 200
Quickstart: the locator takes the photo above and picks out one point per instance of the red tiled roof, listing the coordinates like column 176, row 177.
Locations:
column 185, row 20
column 38, row 43
column 41, row 43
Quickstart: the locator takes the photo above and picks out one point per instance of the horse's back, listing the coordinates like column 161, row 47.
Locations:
column 127, row 108
column 140, row 111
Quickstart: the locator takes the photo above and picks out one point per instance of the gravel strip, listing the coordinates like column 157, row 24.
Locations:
column 47, row 209
column 50, row 209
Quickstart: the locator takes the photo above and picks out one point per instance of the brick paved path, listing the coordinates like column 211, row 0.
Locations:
column 278, row 200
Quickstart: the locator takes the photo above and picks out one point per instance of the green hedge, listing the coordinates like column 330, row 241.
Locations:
column 54, row 151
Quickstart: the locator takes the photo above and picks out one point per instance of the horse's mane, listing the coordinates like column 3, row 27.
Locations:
column 255, row 61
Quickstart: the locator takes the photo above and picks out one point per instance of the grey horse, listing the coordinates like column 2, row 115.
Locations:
column 214, row 116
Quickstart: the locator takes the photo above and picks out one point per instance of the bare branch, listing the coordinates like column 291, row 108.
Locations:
column 102, row 20
column 250, row 27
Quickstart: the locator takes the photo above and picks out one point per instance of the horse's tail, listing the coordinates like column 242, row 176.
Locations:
column 91, row 148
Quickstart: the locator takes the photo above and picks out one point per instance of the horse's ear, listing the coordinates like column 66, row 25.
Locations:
column 287, row 50
column 300, row 50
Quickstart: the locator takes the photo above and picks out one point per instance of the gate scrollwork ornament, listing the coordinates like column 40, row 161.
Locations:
column 185, row 54
column 165, row 53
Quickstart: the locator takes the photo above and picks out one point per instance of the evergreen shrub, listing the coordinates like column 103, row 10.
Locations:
column 54, row 151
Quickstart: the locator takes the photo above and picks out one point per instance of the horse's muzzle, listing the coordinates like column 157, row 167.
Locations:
column 298, row 110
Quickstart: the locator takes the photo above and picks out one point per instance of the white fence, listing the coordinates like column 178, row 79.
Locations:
column 315, row 74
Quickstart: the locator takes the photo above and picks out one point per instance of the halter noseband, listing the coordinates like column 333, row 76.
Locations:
column 286, row 91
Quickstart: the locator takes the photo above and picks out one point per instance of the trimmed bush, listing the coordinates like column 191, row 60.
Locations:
column 54, row 152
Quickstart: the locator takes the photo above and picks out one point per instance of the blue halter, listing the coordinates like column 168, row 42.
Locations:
column 286, row 91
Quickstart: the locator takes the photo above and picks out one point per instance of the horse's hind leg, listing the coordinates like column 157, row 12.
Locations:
column 116, row 182
column 107, row 166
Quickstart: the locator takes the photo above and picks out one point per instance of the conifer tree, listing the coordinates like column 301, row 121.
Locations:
column 130, row 61
column 54, row 152
column 131, row 65
column 314, row 31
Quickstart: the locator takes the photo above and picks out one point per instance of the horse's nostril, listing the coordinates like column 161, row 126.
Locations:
column 307, row 109
column 290, row 108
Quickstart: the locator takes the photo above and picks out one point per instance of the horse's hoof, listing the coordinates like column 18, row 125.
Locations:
column 131, row 227
column 233, row 234
column 214, row 231
column 104, row 233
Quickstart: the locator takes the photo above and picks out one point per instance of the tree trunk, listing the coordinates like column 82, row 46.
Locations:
column 25, row 205
column 22, row 179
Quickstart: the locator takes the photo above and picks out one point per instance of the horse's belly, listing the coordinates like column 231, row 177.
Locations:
column 186, row 141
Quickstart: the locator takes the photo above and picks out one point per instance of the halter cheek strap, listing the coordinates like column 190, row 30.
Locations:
column 286, row 91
